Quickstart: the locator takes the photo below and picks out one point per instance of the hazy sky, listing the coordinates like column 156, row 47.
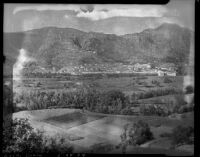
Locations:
column 114, row 19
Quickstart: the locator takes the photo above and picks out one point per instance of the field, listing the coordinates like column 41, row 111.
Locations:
column 126, row 83
column 86, row 129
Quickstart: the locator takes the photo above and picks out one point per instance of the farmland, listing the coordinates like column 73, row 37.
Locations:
column 126, row 83
column 96, row 125
column 99, row 128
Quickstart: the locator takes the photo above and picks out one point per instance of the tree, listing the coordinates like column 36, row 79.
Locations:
column 181, row 70
column 182, row 135
column 167, row 80
column 135, row 134
column 189, row 89
column 20, row 137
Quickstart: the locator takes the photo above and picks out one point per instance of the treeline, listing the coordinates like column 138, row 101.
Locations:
column 109, row 102
column 46, row 75
column 155, row 93
column 105, row 102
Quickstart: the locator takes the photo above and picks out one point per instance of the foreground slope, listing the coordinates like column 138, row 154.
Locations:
column 101, row 128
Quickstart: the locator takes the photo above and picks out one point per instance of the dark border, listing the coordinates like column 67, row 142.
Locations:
column 197, row 107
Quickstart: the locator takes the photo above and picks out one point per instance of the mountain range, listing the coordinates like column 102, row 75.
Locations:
column 62, row 47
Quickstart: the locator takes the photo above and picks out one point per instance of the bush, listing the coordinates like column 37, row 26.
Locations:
column 101, row 148
column 189, row 89
column 157, row 83
column 182, row 135
column 136, row 134
column 114, row 96
column 165, row 134
column 155, row 93
column 7, row 100
column 158, row 110
column 19, row 136
column 180, row 102
column 127, row 111
column 38, row 84
column 167, row 80
column 185, row 108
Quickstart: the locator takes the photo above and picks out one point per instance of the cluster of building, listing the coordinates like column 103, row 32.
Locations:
column 113, row 68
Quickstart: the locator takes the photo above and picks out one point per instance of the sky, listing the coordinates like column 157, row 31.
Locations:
column 108, row 18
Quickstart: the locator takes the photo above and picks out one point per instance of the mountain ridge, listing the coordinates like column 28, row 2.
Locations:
column 61, row 47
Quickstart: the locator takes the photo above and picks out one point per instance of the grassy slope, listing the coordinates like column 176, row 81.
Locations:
column 106, row 129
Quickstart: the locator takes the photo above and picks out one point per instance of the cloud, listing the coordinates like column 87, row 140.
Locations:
column 99, row 12
column 134, row 11
column 47, row 7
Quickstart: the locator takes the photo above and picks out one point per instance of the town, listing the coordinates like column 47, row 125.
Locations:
column 163, row 70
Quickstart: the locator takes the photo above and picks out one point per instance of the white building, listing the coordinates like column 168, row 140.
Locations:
column 163, row 73
column 160, row 72
column 142, row 67
column 171, row 73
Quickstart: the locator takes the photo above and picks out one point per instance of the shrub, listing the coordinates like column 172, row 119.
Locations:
column 167, row 80
column 178, row 105
column 182, row 135
column 101, row 148
column 155, row 82
column 158, row 110
column 7, row 100
column 112, row 96
column 165, row 134
column 136, row 133
column 155, row 93
column 189, row 89
column 19, row 136
column 185, row 108
column 38, row 84
column 113, row 101
column 127, row 111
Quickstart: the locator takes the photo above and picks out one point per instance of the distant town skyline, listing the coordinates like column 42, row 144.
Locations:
column 109, row 19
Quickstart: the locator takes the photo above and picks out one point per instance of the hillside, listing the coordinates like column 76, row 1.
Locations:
column 168, row 42
column 62, row 47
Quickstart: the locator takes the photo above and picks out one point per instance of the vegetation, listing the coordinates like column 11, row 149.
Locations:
column 38, row 84
column 180, row 104
column 169, row 107
column 135, row 134
column 106, row 102
column 155, row 109
column 7, row 100
column 109, row 102
column 167, row 80
column 101, row 148
column 181, row 70
column 189, row 89
column 182, row 135
column 155, row 93
column 155, row 82
column 107, row 46
column 19, row 136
